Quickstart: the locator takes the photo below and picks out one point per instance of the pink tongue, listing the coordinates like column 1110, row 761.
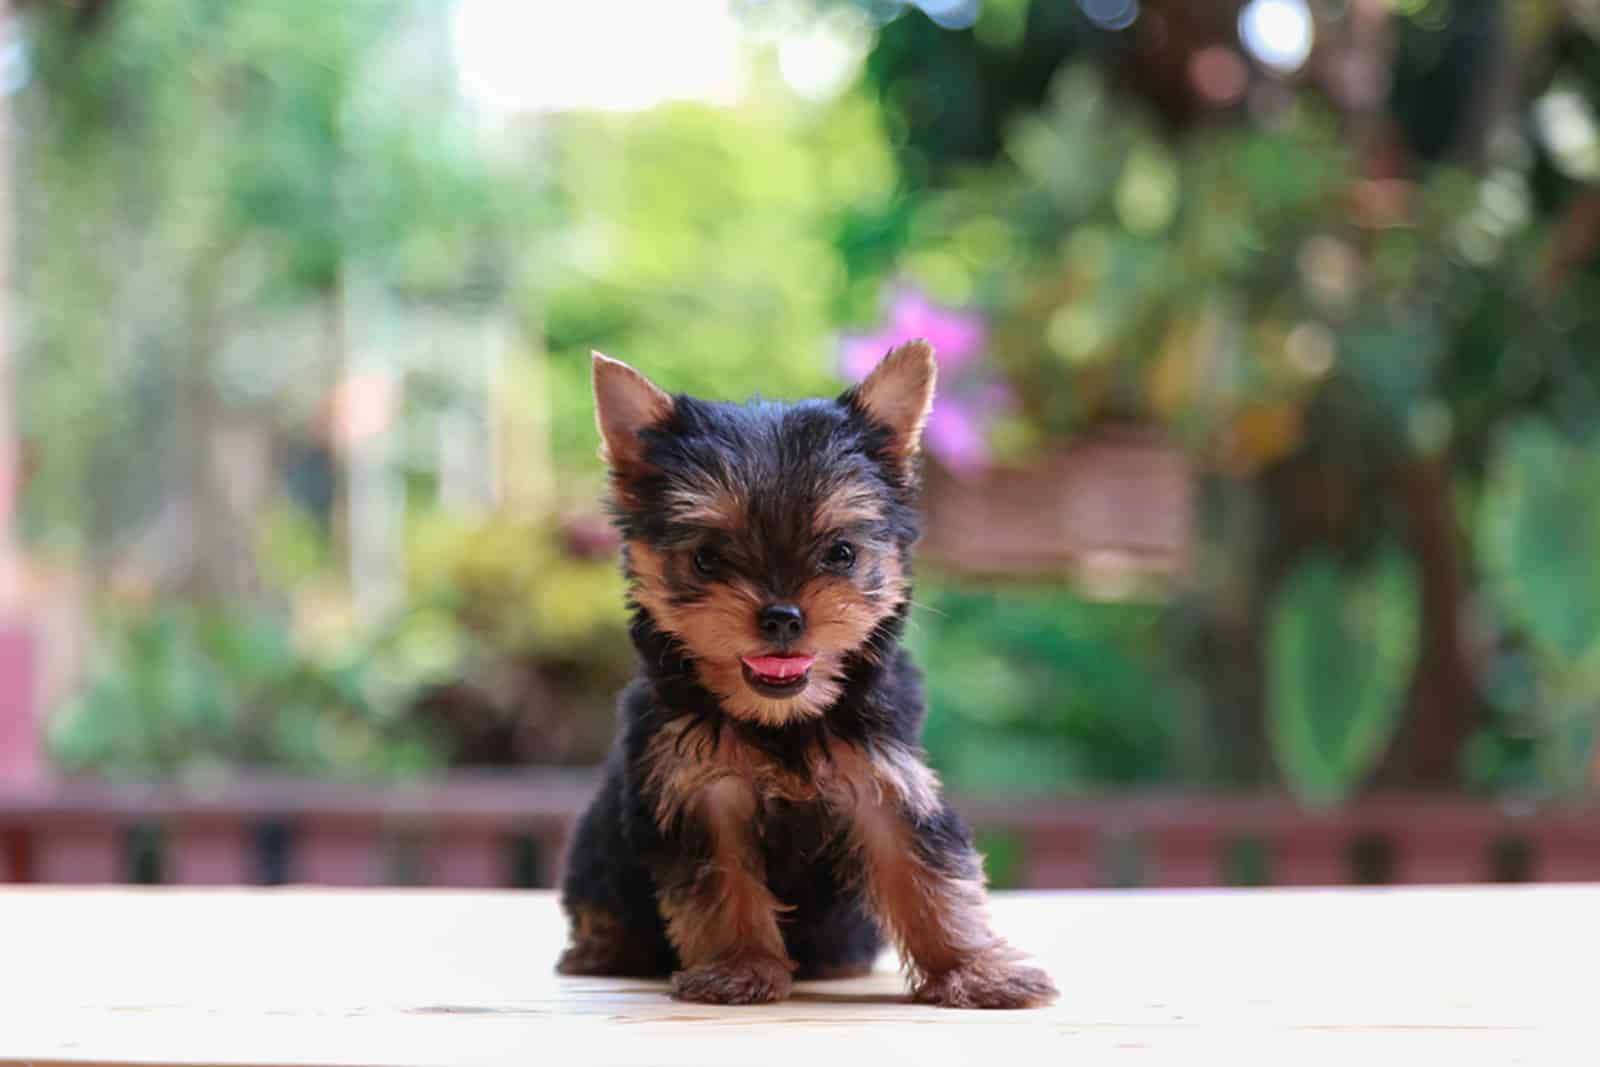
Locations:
column 779, row 666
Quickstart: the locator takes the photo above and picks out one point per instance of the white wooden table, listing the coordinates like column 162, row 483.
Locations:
column 1288, row 978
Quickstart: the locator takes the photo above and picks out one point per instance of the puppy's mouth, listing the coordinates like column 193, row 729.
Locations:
column 778, row 676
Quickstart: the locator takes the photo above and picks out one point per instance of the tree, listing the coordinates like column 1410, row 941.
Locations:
column 205, row 183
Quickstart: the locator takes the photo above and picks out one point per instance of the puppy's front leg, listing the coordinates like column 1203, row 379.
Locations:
column 925, row 882
column 720, row 915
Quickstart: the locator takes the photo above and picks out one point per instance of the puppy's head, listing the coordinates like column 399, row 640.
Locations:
column 769, row 541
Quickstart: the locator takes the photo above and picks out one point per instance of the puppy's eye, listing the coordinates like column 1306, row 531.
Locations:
column 707, row 561
column 841, row 556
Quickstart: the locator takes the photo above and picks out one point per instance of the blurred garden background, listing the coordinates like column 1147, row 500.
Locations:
column 1264, row 463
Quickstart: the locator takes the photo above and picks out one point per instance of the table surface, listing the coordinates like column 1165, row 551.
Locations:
column 1282, row 977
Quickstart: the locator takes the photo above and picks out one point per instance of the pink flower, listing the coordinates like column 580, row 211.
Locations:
column 965, row 405
column 957, row 337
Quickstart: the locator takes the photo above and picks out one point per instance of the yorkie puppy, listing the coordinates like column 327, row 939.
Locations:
column 765, row 813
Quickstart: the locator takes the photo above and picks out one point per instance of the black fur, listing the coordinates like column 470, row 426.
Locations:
column 783, row 458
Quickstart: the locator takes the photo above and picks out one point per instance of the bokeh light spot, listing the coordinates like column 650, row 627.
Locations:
column 1219, row 75
column 1311, row 349
column 951, row 14
column 1567, row 126
column 1111, row 14
column 515, row 56
column 1279, row 33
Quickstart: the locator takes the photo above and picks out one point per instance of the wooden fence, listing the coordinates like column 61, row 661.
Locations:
column 511, row 831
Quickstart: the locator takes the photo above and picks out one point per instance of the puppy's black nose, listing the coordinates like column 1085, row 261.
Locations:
column 781, row 623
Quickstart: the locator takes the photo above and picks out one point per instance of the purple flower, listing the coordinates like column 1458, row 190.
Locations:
column 957, row 337
column 965, row 405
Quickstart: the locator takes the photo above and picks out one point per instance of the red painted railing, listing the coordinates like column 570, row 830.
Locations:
column 21, row 759
column 511, row 831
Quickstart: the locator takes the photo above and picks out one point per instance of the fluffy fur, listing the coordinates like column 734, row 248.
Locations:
column 741, row 839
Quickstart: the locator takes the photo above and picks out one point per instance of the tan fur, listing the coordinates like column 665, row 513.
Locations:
column 716, row 507
column 841, row 615
column 715, row 633
column 682, row 760
column 938, row 918
column 625, row 402
column 686, row 756
column 845, row 776
column 599, row 946
column 987, row 983
column 899, row 394
column 907, row 778
column 742, row 980
column 725, row 925
column 849, row 505
column 718, row 630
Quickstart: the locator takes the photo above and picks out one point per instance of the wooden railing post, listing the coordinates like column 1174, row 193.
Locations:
column 211, row 850
column 1067, row 857
column 16, row 857
column 81, row 850
column 469, row 858
column 21, row 755
column 338, row 851
column 1315, row 853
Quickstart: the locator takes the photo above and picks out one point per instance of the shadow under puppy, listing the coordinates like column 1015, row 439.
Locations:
column 765, row 812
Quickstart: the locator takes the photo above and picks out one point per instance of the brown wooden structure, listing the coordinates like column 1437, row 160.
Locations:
column 509, row 831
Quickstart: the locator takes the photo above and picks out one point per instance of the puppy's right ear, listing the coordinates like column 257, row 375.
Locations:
column 625, row 404
column 897, row 396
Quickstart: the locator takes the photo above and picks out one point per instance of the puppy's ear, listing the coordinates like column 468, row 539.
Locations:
column 625, row 404
column 898, row 395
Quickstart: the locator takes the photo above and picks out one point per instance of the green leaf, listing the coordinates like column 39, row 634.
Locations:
column 1341, row 646
column 1539, row 529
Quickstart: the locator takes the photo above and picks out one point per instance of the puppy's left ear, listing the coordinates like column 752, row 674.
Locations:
column 625, row 404
column 898, row 395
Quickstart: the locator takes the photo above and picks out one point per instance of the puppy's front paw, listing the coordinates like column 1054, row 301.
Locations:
column 987, row 984
column 753, row 980
column 590, row 958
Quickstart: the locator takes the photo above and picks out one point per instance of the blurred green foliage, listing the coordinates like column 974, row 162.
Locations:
column 1537, row 532
column 225, row 208
column 531, row 636
column 701, row 246
column 1038, row 689
column 182, row 692
column 1132, row 274
column 1341, row 649
column 514, row 584
column 210, row 178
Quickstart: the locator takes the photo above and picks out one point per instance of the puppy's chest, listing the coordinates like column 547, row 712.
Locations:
column 799, row 841
column 686, row 758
